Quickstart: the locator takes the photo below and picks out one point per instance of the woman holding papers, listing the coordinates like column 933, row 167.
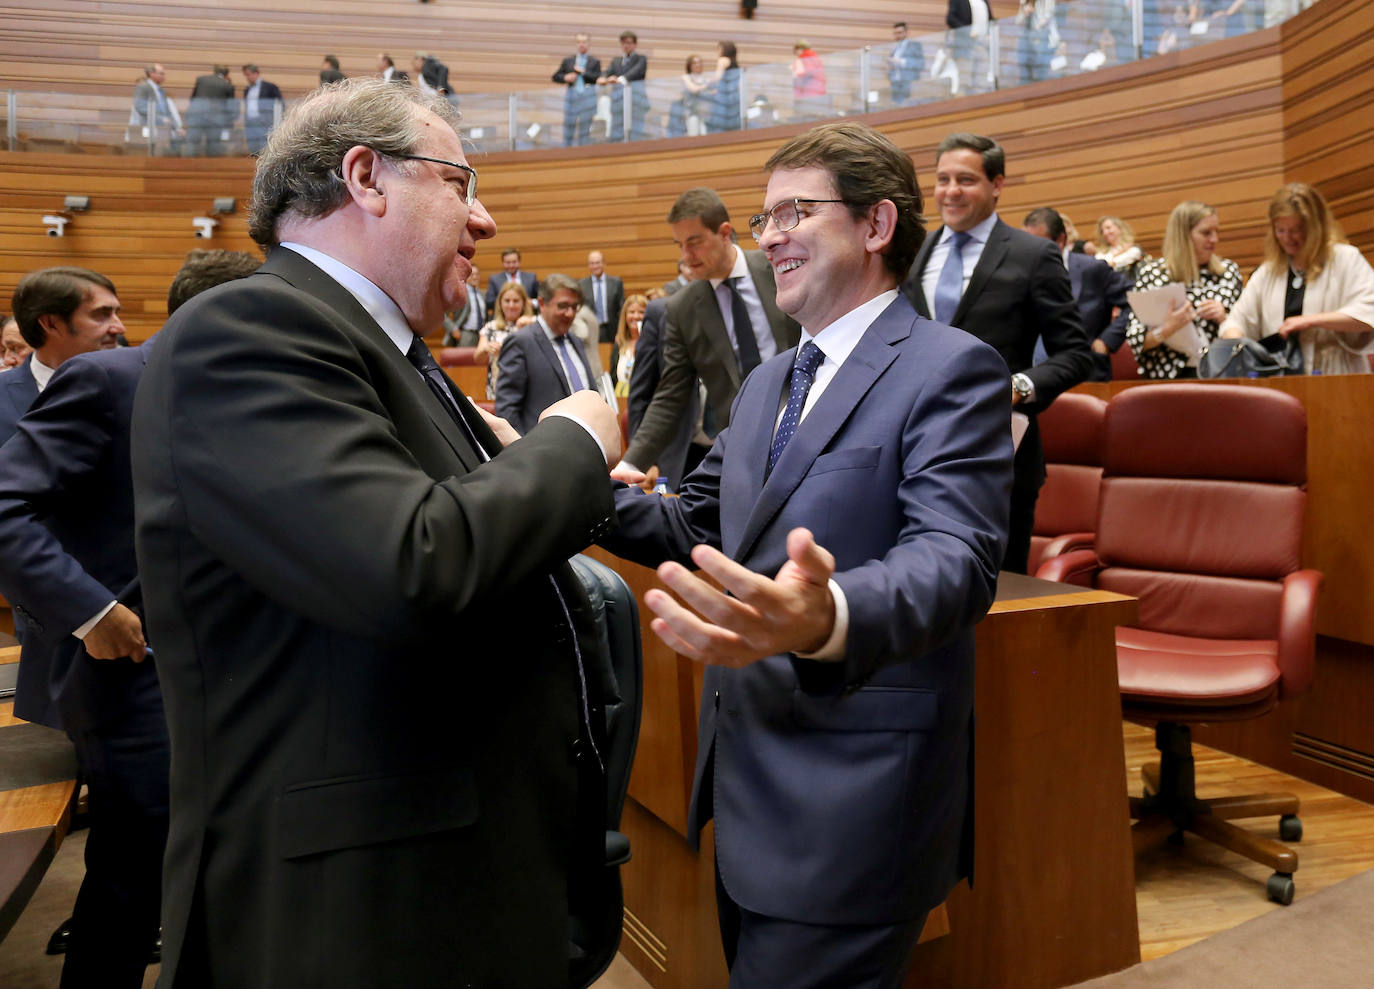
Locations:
column 1312, row 283
column 1169, row 348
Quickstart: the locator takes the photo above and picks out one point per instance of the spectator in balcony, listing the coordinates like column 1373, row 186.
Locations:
column 1039, row 38
column 154, row 115
column 685, row 115
column 386, row 68
column 431, row 75
column 211, row 114
column 262, row 108
column 578, row 72
column 627, row 71
column 809, row 99
column 905, row 64
column 725, row 109
column 329, row 70
column 1312, row 283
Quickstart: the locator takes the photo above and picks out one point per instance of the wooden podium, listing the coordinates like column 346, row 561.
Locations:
column 1053, row 899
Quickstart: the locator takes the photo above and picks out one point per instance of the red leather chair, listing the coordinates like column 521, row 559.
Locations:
column 1200, row 517
column 459, row 357
column 1066, row 511
column 1124, row 366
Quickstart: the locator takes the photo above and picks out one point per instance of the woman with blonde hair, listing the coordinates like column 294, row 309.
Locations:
column 626, row 334
column 513, row 310
column 1118, row 247
column 1312, row 283
column 1212, row 286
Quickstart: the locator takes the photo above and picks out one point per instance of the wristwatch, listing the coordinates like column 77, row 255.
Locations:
column 1023, row 387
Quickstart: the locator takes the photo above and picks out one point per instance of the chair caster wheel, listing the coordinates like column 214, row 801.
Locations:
column 1280, row 888
column 1290, row 827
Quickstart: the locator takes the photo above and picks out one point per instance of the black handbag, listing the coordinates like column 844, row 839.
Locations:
column 1238, row 357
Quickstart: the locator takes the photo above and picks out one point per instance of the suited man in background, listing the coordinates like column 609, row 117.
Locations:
column 672, row 462
column 61, row 312
column 905, row 65
column 627, row 69
column 579, row 73
column 718, row 328
column 684, row 275
column 461, row 327
column 262, row 107
column 604, row 293
column 542, row 362
column 858, row 533
column 329, row 70
column 155, row 115
column 386, row 68
column 318, row 512
column 510, row 272
column 1007, row 288
column 1098, row 288
column 211, row 113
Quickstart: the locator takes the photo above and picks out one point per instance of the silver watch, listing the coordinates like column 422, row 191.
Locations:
column 1024, row 388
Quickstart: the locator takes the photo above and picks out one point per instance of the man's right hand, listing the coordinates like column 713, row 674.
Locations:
column 592, row 409
column 118, row 634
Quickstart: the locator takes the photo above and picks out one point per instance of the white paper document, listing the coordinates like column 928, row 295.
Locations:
column 1151, row 306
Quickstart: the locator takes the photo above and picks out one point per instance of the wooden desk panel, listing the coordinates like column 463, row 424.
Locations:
column 1054, row 899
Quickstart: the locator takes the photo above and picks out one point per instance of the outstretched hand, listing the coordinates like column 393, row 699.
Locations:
column 760, row 616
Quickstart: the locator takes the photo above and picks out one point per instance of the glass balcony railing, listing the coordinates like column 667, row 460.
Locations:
column 1057, row 41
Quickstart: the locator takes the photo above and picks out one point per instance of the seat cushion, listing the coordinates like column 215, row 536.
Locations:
column 1156, row 668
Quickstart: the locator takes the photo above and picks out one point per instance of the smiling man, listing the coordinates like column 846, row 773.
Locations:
column 716, row 329
column 855, row 510
column 360, row 600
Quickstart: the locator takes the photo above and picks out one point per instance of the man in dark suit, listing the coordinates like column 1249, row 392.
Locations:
column 858, row 534
column 718, row 328
column 1007, row 288
column 338, row 558
column 627, row 74
column 329, row 70
column 61, row 312
column 905, row 65
column 386, row 69
column 510, row 272
column 542, row 362
column 1098, row 289
column 578, row 72
column 684, row 275
column 211, row 114
column 262, row 107
column 461, row 327
column 672, row 462
column 604, row 293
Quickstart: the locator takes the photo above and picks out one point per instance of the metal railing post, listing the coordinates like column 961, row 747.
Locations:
column 12, row 119
column 511, row 122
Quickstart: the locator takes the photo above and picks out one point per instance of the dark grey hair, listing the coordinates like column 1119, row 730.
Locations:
column 299, row 171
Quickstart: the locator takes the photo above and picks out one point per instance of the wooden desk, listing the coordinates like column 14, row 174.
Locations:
column 1054, row 899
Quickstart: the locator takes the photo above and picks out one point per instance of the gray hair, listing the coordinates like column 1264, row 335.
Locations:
column 299, row 172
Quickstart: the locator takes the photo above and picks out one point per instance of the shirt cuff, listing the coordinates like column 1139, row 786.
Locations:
column 833, row 649
column 83, row 630
column 590, row 432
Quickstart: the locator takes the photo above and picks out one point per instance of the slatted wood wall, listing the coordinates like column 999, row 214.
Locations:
column 1226, row 123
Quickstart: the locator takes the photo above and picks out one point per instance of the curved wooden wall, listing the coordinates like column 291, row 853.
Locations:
column 1226, row 123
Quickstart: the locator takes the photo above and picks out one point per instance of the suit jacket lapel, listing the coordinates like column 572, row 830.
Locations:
column 767, row 287
column 993, row 253
column 865, row 364
column 297, row 271
column 706, row 310
column 541, row 340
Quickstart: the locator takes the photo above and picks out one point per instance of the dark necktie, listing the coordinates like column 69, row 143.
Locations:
column 744, row 331
column 803, row 375
column 569, row 359
column 951, row 284
column 423, row 360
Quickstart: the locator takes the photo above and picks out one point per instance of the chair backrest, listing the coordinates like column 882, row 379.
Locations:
column 1201, row 505
column 1124, row 366
column 1071, row 431
column 457, row 357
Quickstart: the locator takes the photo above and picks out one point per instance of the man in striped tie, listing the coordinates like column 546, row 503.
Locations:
column 855, row 512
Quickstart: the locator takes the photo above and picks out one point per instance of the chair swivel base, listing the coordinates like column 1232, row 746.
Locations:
column 1171, row 806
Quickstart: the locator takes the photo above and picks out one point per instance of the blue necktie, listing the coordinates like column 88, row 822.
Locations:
column 569, row 362
column 951, row 284
column 803, row 374
column 600, row 300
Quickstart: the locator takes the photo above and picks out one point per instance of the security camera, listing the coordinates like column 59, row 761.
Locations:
column 56, row 225
column 205, row 226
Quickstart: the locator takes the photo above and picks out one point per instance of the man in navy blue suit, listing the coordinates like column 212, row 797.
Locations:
column 262, row 108
column 61, row 312
column 855, row 510
column 67, row 566
column 510, row 272
column 1098, row 289
column 542, row 363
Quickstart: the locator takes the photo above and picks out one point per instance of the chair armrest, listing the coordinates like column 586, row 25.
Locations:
column 1067, row 543
column 1079, row 567
column 459, row 357
column 1297, row 630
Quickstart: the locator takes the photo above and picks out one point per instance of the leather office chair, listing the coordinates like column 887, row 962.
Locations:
column 1066, row 511
column 1200, row 517
column 459, row 357
column 1124, row 366
column 613, row 664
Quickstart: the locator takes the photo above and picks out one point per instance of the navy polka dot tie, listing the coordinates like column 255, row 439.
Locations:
column 803, row 374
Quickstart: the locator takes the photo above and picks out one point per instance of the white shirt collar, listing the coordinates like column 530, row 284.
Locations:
column 41, row 372
column 377, row 303
column 739, row 269
column 979, row 233
column 840, row 338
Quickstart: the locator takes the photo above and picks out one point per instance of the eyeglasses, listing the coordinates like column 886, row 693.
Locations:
column 469, row 192
column 785, row 216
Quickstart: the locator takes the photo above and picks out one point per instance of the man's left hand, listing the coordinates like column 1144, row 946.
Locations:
column 791, row 612
column 504, row 431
